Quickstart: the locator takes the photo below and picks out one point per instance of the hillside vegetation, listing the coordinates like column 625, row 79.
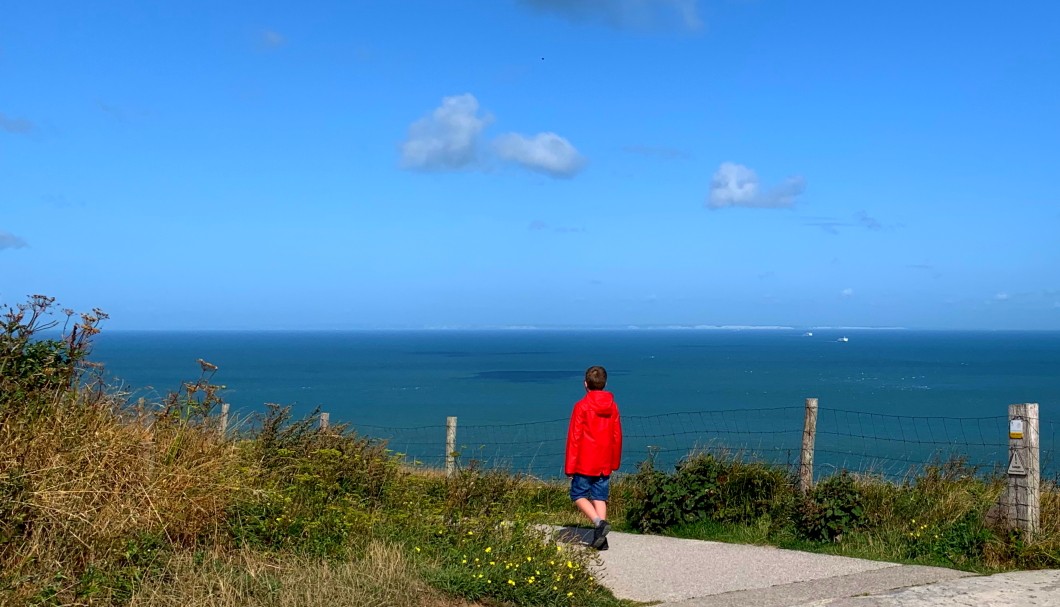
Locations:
column 107, row 501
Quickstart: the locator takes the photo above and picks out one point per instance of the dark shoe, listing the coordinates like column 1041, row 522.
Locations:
column 603, row 546
column 600, row 532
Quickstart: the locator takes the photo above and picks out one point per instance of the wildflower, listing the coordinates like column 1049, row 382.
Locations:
column 417, row 549
column 489, row 549
column 555, row 587
column 529, row 558
column 493, row 562
column 471, row 533
column 511, row 582
column 570, row 565
column 530, row 580
column 463, row 562
column 570, row 594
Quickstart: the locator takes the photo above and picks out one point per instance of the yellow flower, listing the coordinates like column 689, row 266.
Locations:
column 555, row 587
column 471, row 533
column 489, row 549
column 463, row 562
column 511, row 582
column 570, row 594
column 493, row 562
column 417, row 548
column 530, row 580
column 529, row 558
column 570, row 565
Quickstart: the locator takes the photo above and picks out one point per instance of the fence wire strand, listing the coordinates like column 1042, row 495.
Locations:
column 886, row 444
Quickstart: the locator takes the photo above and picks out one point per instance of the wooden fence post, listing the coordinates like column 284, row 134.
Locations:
column 450, row 446
column 809, row 435
column 325, row 421
column 224, row 420
column 1023, row 491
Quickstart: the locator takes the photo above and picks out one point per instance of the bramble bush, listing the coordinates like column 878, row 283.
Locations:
column 833, row 508
column 705, row 487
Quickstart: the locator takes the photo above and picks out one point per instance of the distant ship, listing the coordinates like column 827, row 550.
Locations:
column 843, row 339
column 808, row 334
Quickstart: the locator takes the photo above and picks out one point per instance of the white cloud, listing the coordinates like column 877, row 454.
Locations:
column 545, row 153
column 847, row 292
column 446, row 139
column 1001, row 296
column 735, row 185
column 10, row 241
column 626, row 13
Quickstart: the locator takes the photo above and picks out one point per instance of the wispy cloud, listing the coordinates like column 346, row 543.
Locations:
column 540, row 226
column 1002, row 296
column 666, row 153
column 272, row 39
column 847, row 292
column 450, row 138
column 546, row 153
column 735, row 185
column 867, row 222
column 16, row 126
column 861, row 219
column 635, row 14
column 447, row 138
column 10, row 241
column 925, row 267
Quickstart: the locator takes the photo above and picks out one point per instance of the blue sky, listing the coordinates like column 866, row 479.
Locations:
column 533, row 162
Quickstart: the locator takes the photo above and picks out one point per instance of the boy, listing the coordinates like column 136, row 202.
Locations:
column 594, row 451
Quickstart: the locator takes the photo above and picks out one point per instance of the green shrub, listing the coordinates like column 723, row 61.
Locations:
column 309, row 491
column 833, row 508
column 704, row 487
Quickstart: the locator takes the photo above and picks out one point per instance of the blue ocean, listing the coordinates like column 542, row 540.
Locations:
column 886, row 397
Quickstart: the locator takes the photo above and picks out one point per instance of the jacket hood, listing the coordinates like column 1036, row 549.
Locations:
column 601, row 403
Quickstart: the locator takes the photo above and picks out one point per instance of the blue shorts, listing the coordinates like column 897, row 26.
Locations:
column 595, row 488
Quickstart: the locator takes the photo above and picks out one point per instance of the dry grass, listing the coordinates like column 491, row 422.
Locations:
column 82, row 479
column 381, row 577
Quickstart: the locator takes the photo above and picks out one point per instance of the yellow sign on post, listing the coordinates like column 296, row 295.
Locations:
column 1015, row 428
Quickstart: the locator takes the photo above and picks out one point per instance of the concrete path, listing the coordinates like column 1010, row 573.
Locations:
column 675, row 572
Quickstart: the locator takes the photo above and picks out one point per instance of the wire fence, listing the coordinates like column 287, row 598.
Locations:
column 892, row 446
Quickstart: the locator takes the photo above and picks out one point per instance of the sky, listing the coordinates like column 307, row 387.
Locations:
column 522, row 163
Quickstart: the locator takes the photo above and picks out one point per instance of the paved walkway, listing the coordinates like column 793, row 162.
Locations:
column 692, row 573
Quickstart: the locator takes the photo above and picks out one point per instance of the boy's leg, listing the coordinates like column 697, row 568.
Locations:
column 588, row 508
column 599, row 492
column 600, row 507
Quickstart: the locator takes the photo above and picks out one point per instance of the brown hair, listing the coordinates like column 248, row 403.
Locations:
column 595, row 378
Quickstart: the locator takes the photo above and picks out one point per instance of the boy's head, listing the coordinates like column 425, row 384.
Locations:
column 595, row 378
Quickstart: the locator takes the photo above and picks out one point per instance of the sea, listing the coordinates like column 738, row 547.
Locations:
column 886, row 398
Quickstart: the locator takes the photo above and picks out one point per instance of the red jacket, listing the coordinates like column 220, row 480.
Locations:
column 594, row 439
